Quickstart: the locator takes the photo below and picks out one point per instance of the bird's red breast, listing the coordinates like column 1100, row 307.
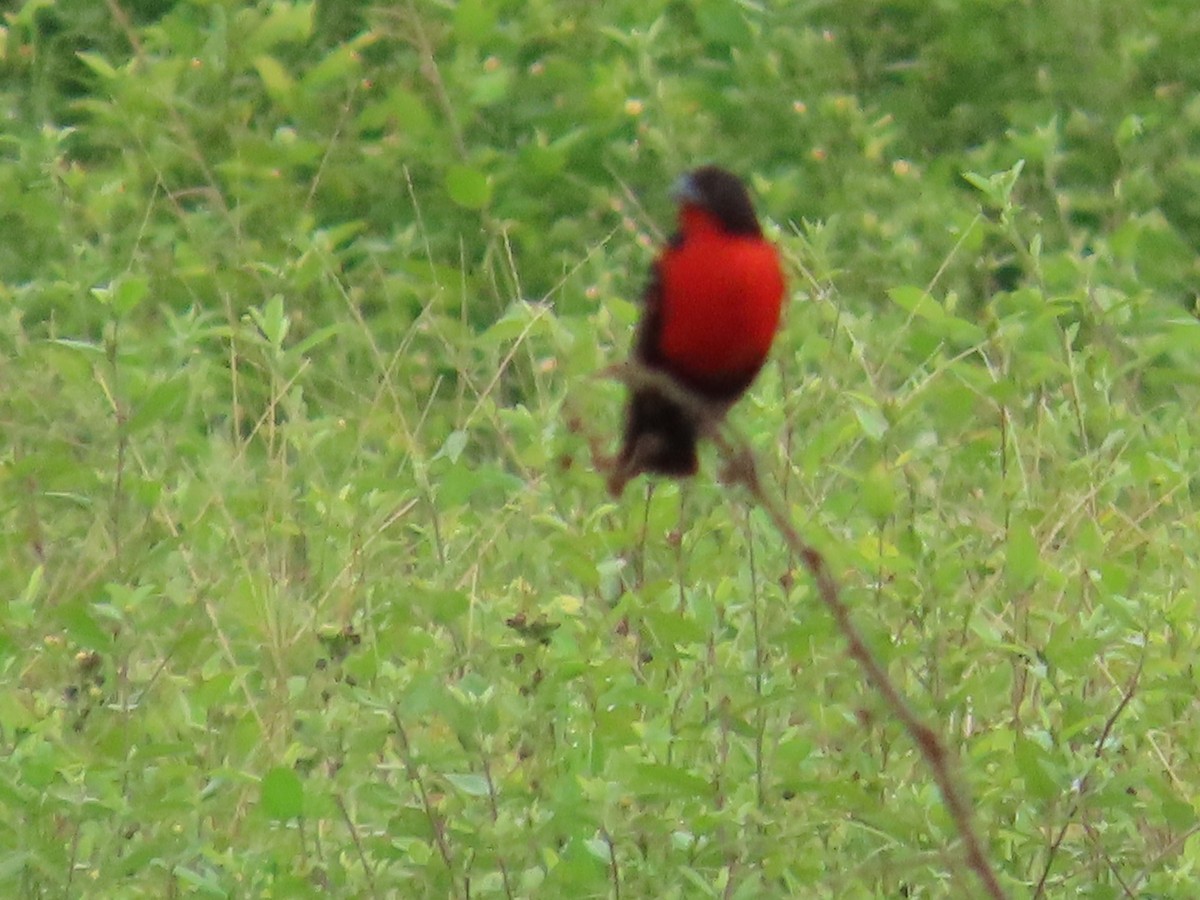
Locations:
column 720, row 302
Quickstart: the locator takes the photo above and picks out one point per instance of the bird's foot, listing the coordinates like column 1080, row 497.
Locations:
column 740, row 468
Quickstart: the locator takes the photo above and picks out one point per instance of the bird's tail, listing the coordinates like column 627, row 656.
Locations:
column 660, row 437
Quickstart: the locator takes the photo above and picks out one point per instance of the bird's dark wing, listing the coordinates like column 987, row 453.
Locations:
column 646, row 342
column 660, row 436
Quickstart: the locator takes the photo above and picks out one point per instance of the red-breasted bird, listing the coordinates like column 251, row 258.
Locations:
column 711, row 312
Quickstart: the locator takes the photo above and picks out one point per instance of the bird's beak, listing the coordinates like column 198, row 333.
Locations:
column 684, row 190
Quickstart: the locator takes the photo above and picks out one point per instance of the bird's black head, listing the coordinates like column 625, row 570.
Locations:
column 722, row 194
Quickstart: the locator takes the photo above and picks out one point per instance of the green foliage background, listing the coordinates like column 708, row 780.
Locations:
column 310, row 586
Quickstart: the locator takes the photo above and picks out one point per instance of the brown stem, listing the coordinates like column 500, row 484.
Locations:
column 358, row 844
column 435, row 821
column 741, row 468
column 1084, row 784
column 933, row 748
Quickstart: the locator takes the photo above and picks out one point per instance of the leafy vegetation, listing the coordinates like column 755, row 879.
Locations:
column 311, row 587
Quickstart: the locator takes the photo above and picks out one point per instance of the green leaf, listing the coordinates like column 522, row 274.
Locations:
column 1022, row 558
column 491, row 87
column 916, row 301
column 998, row 187
column 468, row 187
column 204, row 884
column 407, row 109
column 520, row 318
column 82, row 627
column 723, row 22
column 599, row 848
column 474, row 20
column 670, row 628
column 1032, row 764
column 471, row 784
column 319, row 337
column 33, row 587
column 23, row 611
column 945, row 325
column 128, row 293
column 338, row 66
column 282, row 794
column 879, row 495
column 27, row 14
column 447, row 606
column 12, row 863
column 272, row 321
column 164, row 401
column 284, row 23
column 81, row 346
column 98, row 64
column 871, row 420
column 655, row 778
column 276, row 79
column 1072, row 649
column 453, row 446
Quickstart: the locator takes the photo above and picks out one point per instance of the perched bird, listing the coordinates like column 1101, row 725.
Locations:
column 711, row 310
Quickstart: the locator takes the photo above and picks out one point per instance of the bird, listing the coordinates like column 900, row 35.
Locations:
column 710, row 313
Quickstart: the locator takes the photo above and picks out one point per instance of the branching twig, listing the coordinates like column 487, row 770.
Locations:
column 358, row 845
column 429, row 69
column 495, row 810
column 1084, row 784
column 614, row 869
column 435, row 822
column 741, row 468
